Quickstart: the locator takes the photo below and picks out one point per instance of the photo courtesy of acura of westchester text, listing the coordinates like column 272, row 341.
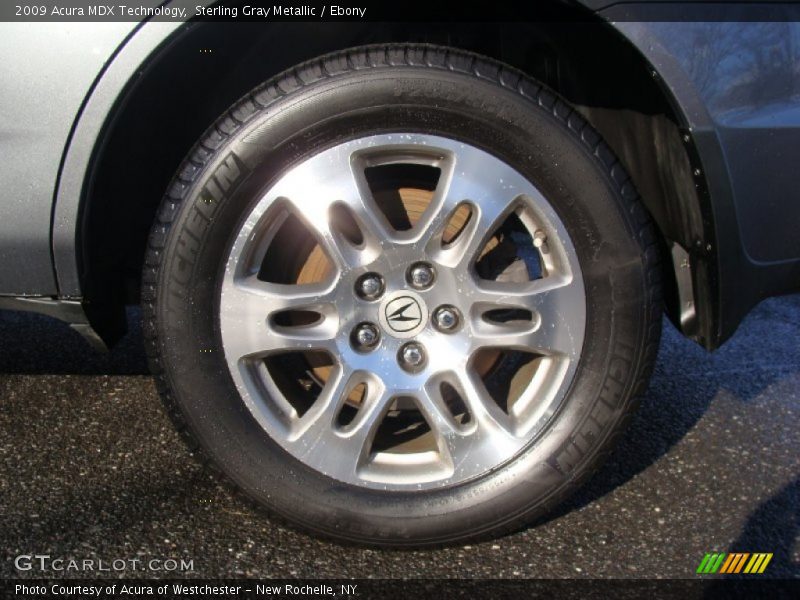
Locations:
column 492, row 296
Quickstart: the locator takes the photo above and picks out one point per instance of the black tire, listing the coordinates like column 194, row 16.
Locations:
column 424, row 89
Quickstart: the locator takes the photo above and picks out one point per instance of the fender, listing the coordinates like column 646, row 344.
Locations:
column 85, row 143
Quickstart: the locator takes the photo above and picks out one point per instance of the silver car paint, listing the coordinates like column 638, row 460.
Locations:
column 46, row 71
column 87, row 132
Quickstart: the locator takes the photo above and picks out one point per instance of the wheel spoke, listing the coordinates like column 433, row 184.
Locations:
column 315, row 189
column 431, row 223
column 489, row 206
column 246, row 308
column 552, row 302
column 316, row 425
column 434, row 408
column 456, row 443
column 490, row 424
column 342, row 452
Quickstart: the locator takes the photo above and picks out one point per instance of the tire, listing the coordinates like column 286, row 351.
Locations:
column 529, row 454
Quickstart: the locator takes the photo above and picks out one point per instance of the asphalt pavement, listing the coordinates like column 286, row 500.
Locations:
column 90, row 468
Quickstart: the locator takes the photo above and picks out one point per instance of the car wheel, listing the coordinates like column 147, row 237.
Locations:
column 402, row 295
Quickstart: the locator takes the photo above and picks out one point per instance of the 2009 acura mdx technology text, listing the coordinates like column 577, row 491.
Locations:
column 401, row 282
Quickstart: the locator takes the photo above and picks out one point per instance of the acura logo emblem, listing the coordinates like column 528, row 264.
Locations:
column 403, row 314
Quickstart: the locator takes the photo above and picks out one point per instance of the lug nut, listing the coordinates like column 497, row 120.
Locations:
column 421, row 275
column 365, row 336
column 446, row 318
column 412, row 356
column 370, row 286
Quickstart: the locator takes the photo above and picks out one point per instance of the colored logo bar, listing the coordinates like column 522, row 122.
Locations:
column 734, row 562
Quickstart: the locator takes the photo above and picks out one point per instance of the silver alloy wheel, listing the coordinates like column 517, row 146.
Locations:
column 553, row 306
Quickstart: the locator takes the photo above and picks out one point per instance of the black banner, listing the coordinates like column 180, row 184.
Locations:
column 33, row 11
column 403, row 589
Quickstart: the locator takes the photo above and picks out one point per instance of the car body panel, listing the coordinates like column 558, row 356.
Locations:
column 47, row 72
column 737, row 85
column 77, row 160
column 745, row 85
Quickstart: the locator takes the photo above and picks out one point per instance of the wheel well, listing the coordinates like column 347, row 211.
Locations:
column 205, row 67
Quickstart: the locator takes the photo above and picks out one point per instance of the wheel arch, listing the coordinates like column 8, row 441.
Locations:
column 163, row 89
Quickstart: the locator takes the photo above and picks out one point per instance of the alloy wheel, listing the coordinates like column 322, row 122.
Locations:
column 402, row 312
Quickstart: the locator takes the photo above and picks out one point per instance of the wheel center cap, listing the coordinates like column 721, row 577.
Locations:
column 403, row 314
